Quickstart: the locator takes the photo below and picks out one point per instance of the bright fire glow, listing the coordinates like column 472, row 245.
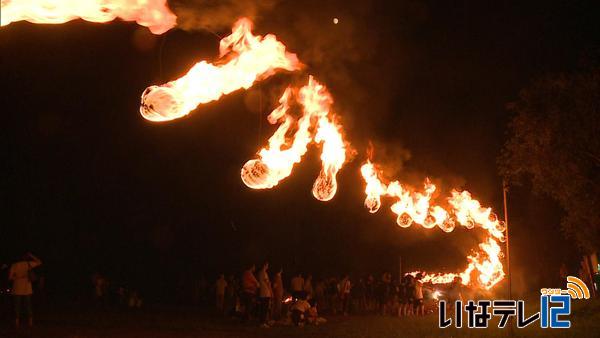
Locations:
column 275, row 162
column 485, row 263
column 416, row 207
column 244, row 59
column 154, row 14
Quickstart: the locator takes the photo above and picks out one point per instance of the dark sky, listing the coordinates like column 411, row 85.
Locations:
column 88, row 184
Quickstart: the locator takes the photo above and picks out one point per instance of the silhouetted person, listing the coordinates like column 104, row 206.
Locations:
column 231, row 295
column 100, row 290
column 454, row 293
column 249, row 287
column 345, row 288
column 21, row 275
column 419, row 306
column 404, row 296
column 359, row 294
column 297, row 286
column 220, row 287
column 277, row 294
column 308, row 287
column 265, row 293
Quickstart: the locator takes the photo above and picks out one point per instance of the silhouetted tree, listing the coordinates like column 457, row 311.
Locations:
column 554, row 141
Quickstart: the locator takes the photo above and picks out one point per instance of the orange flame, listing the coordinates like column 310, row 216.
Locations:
column 333, row 157
column 486, row 263
column 375, row 189
column 253, row 57
column 154, row 14
column 276, row 161
column 416, row 207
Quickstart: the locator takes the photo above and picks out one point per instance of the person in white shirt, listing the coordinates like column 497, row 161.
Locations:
column 265, row 293
column 21, row 275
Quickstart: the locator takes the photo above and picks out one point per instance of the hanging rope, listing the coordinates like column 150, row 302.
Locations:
column 260, row 110
column 160, row 52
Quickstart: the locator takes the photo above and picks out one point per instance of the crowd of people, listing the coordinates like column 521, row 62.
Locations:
column 106, row 295
column 262, row 296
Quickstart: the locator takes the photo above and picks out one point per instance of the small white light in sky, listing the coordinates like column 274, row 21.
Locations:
column 335, row 21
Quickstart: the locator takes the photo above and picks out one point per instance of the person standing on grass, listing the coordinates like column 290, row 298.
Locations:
column 404, row 297
column 345, row 288
column 370, row 292
column 265, row 294
column 410, row 293
column 231, row 295
column 220, row 287
column 21, row 274
column 358, row 296
column 249, row 287
column 454, row 294
column 419, row 306
column 277, row 294
column 332, row 292
column 382, row 291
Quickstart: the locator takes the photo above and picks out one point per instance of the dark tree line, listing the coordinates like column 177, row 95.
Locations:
column 554, row 142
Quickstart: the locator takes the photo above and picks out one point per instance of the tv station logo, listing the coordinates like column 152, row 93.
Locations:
column 555, row 307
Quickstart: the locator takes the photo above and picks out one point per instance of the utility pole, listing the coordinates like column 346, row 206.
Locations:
column 504, row 192
column 400, row 267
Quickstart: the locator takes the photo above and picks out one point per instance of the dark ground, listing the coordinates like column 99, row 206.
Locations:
column 171, row 322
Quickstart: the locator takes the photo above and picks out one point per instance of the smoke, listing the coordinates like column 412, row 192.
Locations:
column 217, row 15
column 391, row 158
column 354, row 58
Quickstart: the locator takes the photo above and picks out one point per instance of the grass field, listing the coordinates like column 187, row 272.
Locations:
column 178, row 323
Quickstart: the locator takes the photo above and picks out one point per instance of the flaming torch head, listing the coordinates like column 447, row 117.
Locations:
column 244, row 59
column 161, row 104
column 154, row 14
column 374, row 189
column 373, row 203
column 325, row 187
column 448, row 225
column 257, row 175
column 404, row 220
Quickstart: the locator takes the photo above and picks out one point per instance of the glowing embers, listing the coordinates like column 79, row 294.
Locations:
column 154, row 14
column 316, row 124
column 244, row 59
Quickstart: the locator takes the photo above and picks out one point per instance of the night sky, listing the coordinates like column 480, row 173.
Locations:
column 89, row 185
